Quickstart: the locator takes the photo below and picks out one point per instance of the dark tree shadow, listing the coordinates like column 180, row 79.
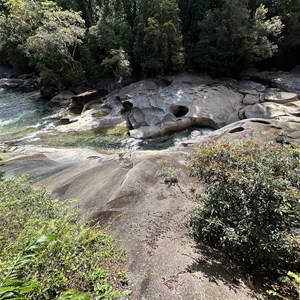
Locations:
column 219, row 267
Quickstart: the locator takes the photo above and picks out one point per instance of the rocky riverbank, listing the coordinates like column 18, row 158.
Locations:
column 157, row 107
column 148, row 215
column 152, row 108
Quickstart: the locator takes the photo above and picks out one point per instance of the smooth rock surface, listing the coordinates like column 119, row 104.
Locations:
column 160, row 108
column 280, row 97
column 251, row 99
column 152, row 108
column 269, row 110
column 148, row 218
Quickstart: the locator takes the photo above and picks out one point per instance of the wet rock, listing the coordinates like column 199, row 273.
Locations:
column 11, row 79
column 11, row 83
column 32, row 82
column 196, row 133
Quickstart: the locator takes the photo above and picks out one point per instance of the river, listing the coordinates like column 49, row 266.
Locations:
column 23, row 121
column 21, row 115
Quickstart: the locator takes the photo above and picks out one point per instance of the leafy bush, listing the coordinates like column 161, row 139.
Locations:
column 251, row 208
column 46, row 254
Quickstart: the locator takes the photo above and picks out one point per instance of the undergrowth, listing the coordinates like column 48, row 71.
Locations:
column 46, row 254
column 251, row 208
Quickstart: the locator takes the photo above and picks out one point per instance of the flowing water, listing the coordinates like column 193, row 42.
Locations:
column 21, row 115
column 22, row 120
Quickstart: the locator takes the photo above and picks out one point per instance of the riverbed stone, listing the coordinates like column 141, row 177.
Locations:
column 251, row 99
column 11, row 83
column 160, row 108
column 64, row 98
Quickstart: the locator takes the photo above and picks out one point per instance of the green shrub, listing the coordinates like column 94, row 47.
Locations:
column 251, row 208
column 51, row 255
column 169, row 175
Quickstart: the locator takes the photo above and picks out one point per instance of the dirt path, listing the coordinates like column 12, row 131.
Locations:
column 148, row 218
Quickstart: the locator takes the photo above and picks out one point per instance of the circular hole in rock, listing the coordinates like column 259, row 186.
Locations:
column 127, row 106
column 178, row 110
column 237, row 129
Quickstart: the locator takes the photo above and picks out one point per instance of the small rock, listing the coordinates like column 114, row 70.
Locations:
column 67, row 120
column 251, row 99
column 195, row 133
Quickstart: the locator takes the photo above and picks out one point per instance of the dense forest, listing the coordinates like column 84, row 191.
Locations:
column 72, row 41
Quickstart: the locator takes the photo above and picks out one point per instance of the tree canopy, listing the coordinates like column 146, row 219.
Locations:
column 74, row 39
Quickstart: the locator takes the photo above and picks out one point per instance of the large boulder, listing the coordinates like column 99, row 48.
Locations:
column 22, row 82
column 156, row 107
column 161, row 107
